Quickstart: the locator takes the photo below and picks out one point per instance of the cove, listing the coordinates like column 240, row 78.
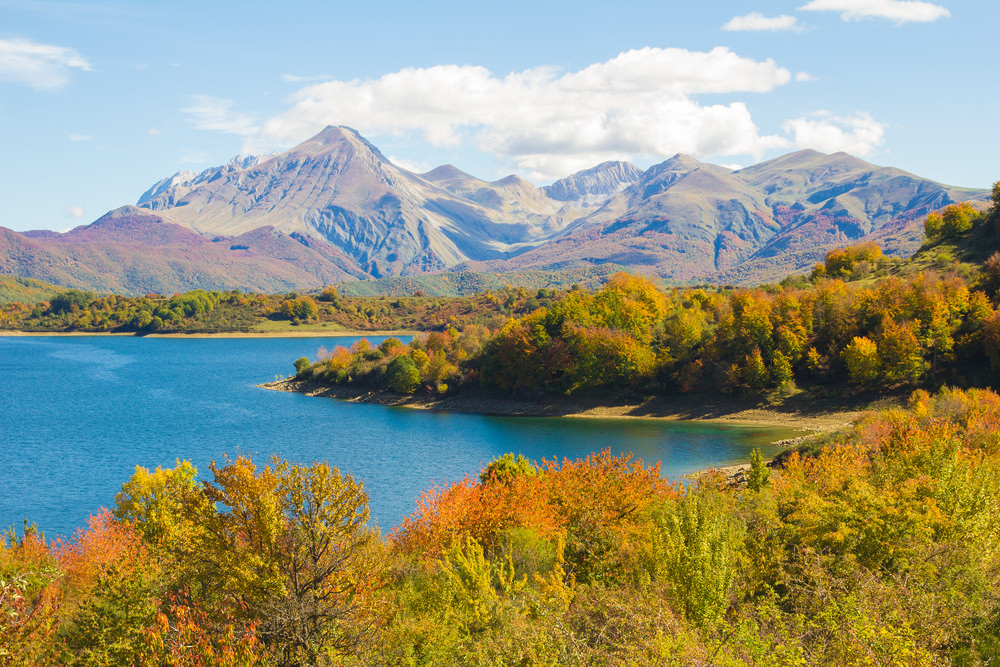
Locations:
column 79, row 413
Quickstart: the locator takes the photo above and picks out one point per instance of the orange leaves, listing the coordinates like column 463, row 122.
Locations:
column 106, row 545
column 602, row 489
column 479, row 510
column 29, row 599
column 186, row 636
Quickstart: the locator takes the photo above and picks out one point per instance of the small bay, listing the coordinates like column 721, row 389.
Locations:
column 80, row 412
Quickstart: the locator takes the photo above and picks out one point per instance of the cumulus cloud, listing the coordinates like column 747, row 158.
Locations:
column 545, row 120
column 901, row 11
column 859, row 134
column 40, row 66
column 213, row 113
column 757, row 22
column 153, row 132
column 75, row 212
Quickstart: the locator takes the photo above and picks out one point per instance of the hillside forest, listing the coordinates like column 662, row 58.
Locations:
column 859, row 322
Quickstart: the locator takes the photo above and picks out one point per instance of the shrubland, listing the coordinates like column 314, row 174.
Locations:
column 878, row 544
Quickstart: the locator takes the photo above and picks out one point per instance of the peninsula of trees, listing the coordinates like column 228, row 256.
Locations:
column 859, row 320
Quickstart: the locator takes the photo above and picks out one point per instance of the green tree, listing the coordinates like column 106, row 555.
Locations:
column 301, row 364
column 700, row 553
column 64, row 301
column 759, row 475
column 507, row 467
column 402, row 375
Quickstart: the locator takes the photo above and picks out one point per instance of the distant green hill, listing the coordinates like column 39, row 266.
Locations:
column 467, row 283
column 26, row 290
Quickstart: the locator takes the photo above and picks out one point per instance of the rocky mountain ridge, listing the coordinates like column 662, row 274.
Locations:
column 335, row 205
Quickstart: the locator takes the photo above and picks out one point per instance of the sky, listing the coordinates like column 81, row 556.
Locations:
column 99, row 100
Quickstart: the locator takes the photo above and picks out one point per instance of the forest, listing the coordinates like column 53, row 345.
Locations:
column 201, row 311
column 859, row 322
column 879, row 544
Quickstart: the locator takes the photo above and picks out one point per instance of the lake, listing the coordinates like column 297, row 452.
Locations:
column 80, row 412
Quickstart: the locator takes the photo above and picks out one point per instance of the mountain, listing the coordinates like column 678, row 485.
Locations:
column 594, row 184
column 135, row 251
column 338, row 188
column 828, row 201
column 184, row 181
column 335, row 208
column 687, row 220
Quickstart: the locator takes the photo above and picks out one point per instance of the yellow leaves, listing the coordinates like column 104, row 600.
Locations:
column 557, row 587
column 862, row 360
column 842, row 261
column 476, row 585
column 950, row 221
column 154, row 502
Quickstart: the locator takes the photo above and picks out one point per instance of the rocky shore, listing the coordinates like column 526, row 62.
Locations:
column 805, row 416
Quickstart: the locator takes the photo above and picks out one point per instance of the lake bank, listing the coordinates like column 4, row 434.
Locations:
column 801, row 416
column 307, row 333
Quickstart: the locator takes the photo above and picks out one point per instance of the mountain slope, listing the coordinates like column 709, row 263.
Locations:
column 334, row 208
column 135, row 251
column 339, row 188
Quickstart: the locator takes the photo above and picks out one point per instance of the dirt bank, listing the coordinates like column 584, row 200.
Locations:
column 807, row 416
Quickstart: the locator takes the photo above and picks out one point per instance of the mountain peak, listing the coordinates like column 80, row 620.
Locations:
column 605, row 179
column 444, row 173
column 512, row 180
column 336, row 140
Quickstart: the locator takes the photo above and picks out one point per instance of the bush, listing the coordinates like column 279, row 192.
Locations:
column 402, row 375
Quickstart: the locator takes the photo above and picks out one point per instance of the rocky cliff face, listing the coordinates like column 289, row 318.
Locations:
column 339, row 188
column 595, row 184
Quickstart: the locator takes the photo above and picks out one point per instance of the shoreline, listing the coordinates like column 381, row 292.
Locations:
column 805, row 418
column 224, row 334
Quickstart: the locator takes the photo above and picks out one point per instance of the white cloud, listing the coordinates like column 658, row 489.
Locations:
column 901, row 11
column 756, row 22
column 41, row 66
column 550, row 122
column 859, row 134
column 80, row 137
column 153, row 132
column 75, row 212
column 409, row 165
column 213, row 113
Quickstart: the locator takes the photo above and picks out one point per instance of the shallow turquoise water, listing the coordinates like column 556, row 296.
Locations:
column 79, row 413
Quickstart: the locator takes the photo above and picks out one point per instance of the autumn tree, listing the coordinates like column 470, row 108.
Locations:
column 951, row 221
column 291, row 550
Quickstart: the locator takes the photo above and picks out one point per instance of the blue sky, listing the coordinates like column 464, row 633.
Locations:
column 98, row 100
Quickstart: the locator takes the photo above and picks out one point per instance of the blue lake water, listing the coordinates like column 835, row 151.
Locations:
column 79, row 413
